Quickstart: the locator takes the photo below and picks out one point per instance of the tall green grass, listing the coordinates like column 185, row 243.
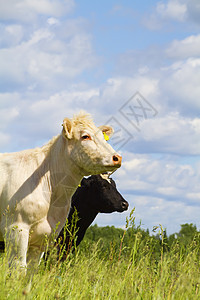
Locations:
column 137, row 269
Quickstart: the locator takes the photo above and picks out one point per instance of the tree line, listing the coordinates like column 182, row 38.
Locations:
column 116, row 243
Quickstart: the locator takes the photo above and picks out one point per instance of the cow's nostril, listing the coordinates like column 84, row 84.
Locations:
column 117, row 160
column 125, row 205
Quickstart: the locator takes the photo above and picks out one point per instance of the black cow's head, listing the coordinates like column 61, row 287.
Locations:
column 103, row 195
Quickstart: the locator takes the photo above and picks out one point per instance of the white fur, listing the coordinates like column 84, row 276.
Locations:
column 105, row 177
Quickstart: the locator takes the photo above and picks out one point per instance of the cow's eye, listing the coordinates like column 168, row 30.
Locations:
column 86, row 137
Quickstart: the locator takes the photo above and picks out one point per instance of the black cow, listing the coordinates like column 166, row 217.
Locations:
column 97, row 194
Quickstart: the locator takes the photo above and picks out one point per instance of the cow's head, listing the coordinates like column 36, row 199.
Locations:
column 103, row 195
column 87, row 147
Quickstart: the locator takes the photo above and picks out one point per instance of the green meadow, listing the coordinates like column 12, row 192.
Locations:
column 113, row 263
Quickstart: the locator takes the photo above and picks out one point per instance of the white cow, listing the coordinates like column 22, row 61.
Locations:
column 36, row 185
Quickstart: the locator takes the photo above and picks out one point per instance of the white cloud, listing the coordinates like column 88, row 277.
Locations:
column 144, row 84
column 47, row 57
column 168, row 132
column 11, row 35
column 60, row 105
column 174, row 85
column 172, row 133
column 196, row 125
column 39, row 117
column 173, row 9
column 194, row 197
column 188, row 47
column 184, row 11
column 120, row 89
column 164, row 177
column 53, row 21
column 168, row 191
column 29, row 10
column 180, row 83
column 193, row 10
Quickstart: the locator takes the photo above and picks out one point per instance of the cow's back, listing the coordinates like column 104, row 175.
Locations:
column 15, row 169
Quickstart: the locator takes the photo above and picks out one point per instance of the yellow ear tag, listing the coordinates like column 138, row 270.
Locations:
column 79, row 185
column 106, row 137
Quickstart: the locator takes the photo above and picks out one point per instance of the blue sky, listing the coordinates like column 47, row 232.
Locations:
column 57, row 57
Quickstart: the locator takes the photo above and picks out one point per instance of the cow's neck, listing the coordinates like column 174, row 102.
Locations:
column 85, row 218
column 64, row 176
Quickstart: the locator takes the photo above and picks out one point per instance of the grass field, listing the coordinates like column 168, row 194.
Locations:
column 124, row 271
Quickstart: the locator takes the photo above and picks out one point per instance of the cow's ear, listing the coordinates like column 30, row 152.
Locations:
column 67, row 128
column 107, row 130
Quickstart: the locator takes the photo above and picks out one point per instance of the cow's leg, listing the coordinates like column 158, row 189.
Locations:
column 34, row 256
column 17, row 244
